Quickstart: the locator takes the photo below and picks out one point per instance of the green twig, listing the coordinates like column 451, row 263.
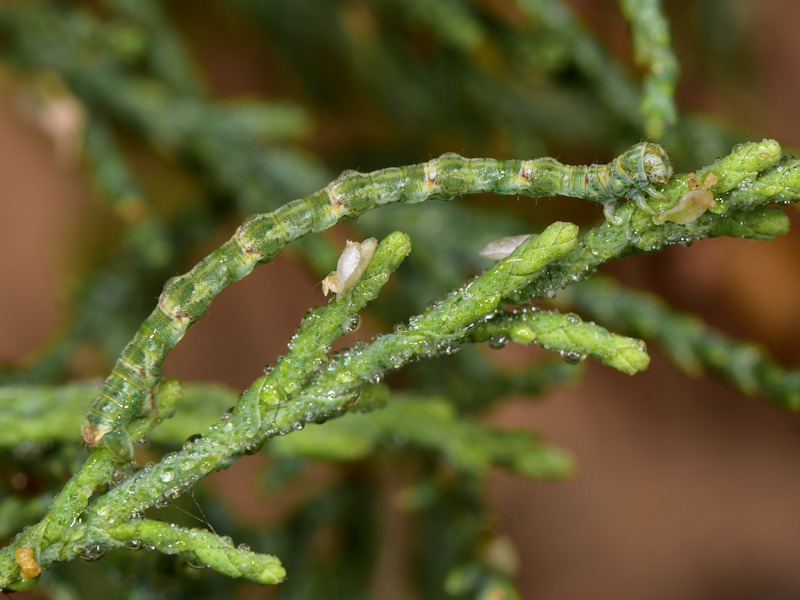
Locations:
column 689, row 343
column 567, row 335
column 200, row 546
column 652, row 48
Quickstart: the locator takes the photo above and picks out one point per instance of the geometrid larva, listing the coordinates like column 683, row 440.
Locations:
column 128, row 391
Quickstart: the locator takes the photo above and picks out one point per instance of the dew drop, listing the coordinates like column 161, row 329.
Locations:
column 353, row 324
column 118, row 476
column 191, row 440
column 253, row 447
column 187, row 464
column 172, row 493
column 94, row 552
column 194, row 563
column 394, row 361
column 496, row 343
column 571, row 357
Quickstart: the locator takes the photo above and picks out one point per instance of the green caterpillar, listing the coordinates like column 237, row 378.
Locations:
column 128, row 391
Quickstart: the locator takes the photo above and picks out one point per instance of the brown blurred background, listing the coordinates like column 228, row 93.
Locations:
column 684, row 489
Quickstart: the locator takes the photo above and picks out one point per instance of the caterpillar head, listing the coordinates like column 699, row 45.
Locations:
column 655, row 164
column 116, row 440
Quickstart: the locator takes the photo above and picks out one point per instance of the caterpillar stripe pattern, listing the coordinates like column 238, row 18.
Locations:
column 128, row 391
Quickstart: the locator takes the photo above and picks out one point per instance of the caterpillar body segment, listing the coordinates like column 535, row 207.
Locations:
column 631, row 175
column 128, row 391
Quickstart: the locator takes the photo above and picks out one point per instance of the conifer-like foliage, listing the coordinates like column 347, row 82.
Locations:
column 509, row 80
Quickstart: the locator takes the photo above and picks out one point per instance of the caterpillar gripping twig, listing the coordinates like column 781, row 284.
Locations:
column 128, row 392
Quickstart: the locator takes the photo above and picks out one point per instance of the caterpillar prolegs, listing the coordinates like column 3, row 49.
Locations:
column 128, row 391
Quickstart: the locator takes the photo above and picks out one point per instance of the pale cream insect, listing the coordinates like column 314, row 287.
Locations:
column 500, row 248
column 351, row 266
column 694, row 202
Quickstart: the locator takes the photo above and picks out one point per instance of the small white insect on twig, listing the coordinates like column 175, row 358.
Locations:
column 500, row 248
column 351, row 266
